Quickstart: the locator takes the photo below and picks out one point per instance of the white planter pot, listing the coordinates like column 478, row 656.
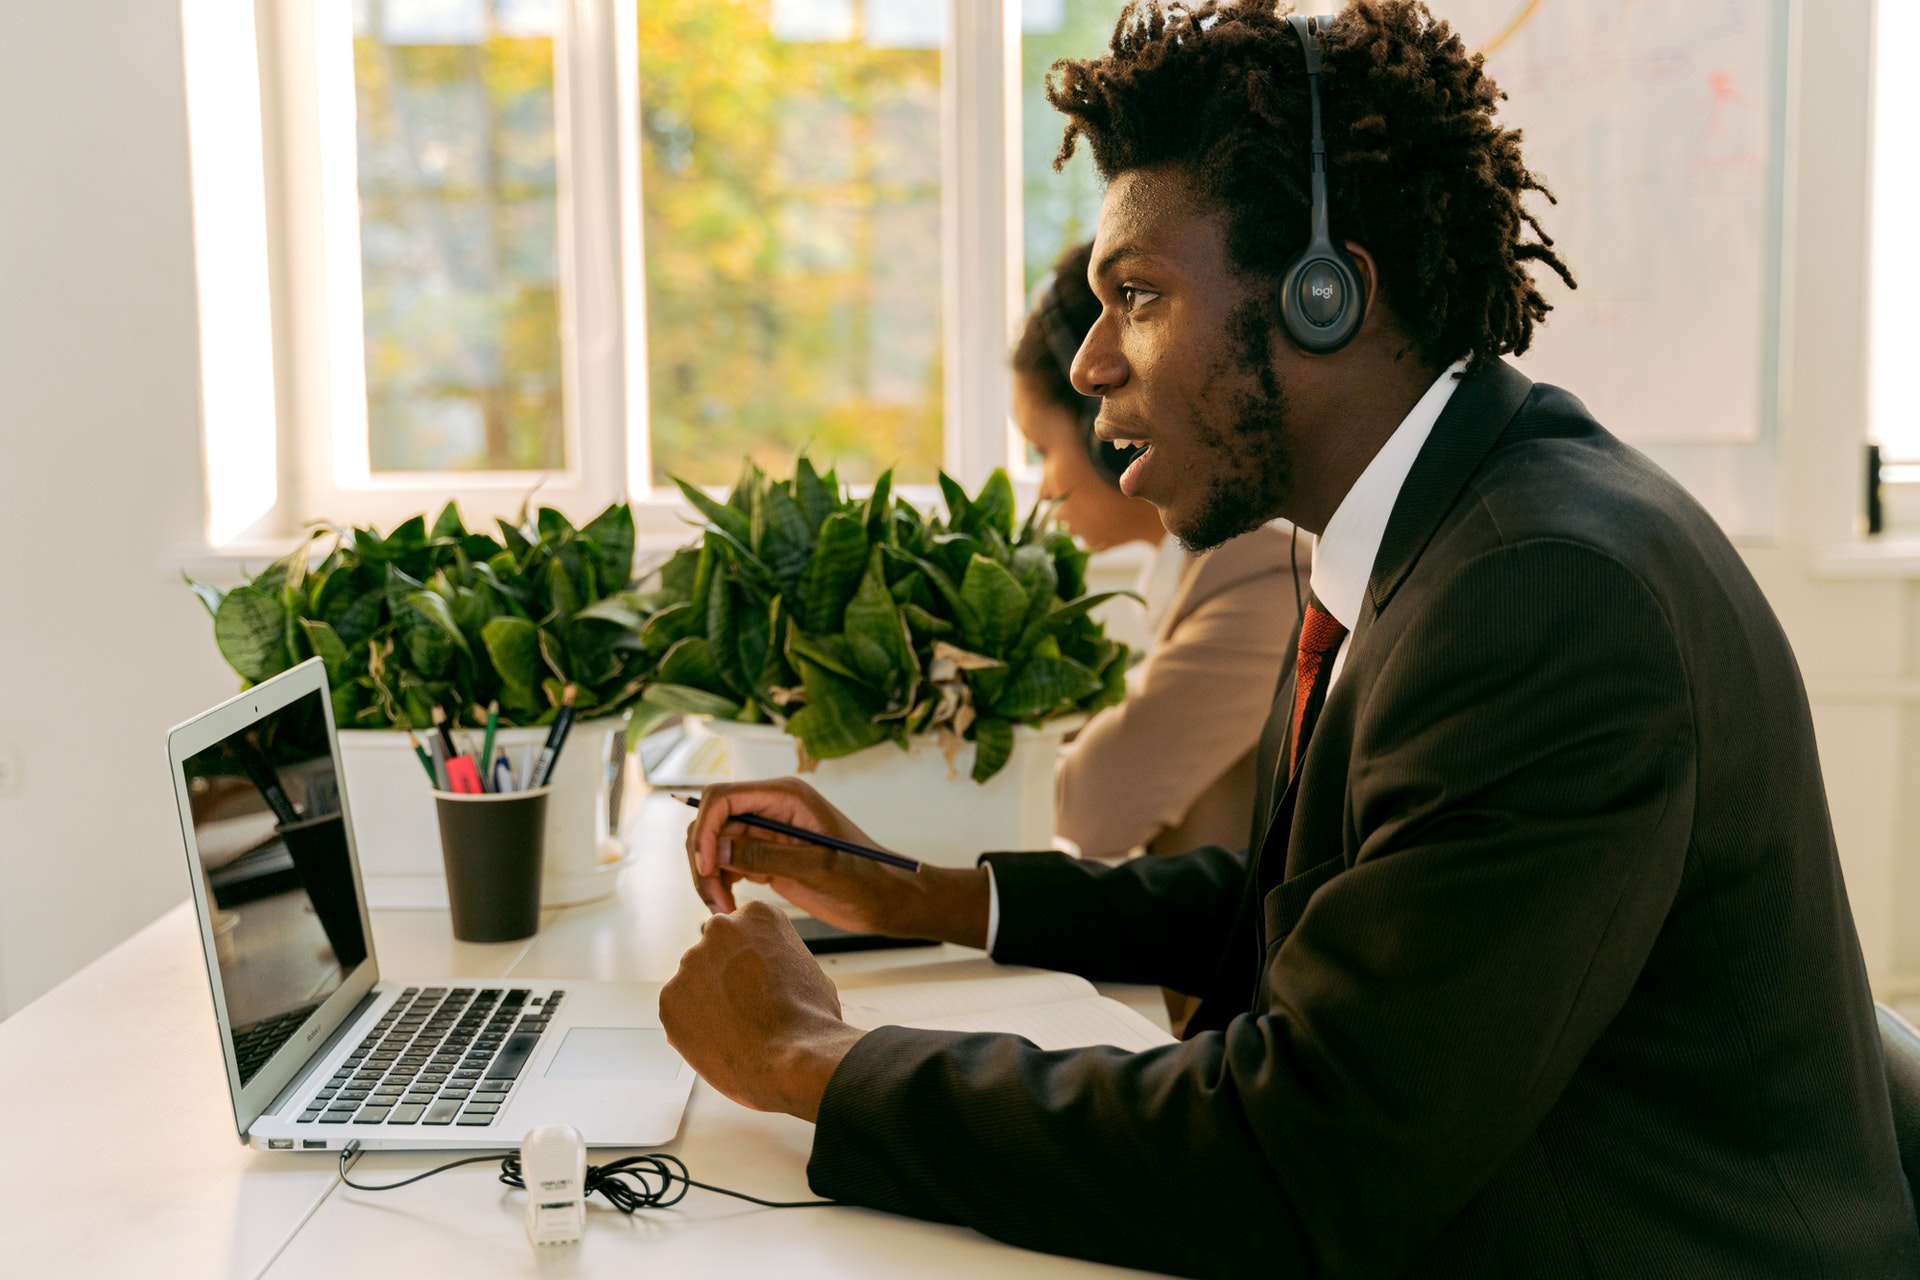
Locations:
column 397, row 835
column 911, row 801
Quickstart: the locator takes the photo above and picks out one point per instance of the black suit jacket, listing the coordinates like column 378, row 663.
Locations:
column 1543, row 966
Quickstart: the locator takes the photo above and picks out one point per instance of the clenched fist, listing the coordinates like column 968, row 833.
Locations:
column 751, row 1011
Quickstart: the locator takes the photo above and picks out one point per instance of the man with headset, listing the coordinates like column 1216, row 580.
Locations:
column 1538, row 962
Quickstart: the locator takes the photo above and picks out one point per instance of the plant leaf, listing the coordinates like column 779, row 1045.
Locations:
column 610, row 535
column 680, row 699
column 993, row 508
column 513, row 646
column 554, row 526
column 210, row 596
column 289, row 571
column 833, row 573
column 331, row 649
column 1051, row 623
column 724, row 638
column 832, row 652
column 925, row 623
column 433, row 608
column 1033, row 570
column 993, row 746
column 358, row 619
column 1045, row 685
column 878, row 513
column 670, row 625
column 882, row 649
column 690, row 662
column 751, row 568
column 963, row 612
column 562, row 594
column 838, row 719
column 250, row 627
column 959, row 509
column 719, row 513
column 614, row 609
column 786, row 539
column 517, row 542
column 449, row 524
column 816, row 501
column 998, row 606
column 554, row 655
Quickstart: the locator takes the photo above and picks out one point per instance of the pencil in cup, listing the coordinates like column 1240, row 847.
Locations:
column 815, row 837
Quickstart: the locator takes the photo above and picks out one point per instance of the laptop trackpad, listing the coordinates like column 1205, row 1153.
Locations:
column 614, row 1053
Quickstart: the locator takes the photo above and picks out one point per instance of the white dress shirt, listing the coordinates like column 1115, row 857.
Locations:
column 1344, row 555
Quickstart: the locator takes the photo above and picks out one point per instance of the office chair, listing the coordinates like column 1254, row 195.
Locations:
column 1900, row 1045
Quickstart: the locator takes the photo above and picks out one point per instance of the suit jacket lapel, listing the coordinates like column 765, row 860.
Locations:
column 1474, row 418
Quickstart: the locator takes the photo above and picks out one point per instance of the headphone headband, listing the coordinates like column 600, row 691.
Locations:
column 1321, row 301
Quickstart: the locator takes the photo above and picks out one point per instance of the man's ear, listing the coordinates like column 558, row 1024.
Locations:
column 1369, row 273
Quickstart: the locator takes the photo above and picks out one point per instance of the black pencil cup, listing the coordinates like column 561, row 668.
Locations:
column 493, row 846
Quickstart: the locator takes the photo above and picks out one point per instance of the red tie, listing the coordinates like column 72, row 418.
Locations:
column 1320, row 637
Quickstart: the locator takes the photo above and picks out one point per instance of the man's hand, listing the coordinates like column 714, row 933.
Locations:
column 751, row 1011
column 844, row 890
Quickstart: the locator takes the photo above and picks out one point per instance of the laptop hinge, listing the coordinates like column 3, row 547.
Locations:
column 319, row 1055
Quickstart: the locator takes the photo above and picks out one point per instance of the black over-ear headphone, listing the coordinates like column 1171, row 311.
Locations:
column 1322, row 301
column 1048, row 309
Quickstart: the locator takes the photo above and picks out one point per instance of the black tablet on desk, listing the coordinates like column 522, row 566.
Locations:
column 824, row 939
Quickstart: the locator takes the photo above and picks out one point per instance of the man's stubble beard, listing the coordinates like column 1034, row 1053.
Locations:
column 1252, row 472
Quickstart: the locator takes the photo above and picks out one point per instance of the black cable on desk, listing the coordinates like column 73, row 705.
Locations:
column 625, row 1184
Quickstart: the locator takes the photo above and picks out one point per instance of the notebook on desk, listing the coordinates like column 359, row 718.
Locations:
column 320, row 1049
column 1054, row 1010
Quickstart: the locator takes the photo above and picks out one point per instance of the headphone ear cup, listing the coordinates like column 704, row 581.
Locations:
column 1322, row 302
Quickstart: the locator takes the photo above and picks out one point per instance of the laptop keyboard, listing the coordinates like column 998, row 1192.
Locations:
column 437, row 1057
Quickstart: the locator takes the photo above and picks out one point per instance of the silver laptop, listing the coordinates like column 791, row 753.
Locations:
column 321, row 1049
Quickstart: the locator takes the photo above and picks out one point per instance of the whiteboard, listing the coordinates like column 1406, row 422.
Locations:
column 1656, row 124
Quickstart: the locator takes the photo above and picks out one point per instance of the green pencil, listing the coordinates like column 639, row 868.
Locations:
column 426, row 761
column 486, row 746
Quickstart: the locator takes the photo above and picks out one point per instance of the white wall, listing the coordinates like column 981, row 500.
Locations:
column 101, row 647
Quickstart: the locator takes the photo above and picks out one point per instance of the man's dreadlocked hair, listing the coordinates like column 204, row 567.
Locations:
column 1419, row 171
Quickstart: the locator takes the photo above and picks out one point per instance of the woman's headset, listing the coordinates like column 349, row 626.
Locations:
column 1322, row 301
column 1064, row 343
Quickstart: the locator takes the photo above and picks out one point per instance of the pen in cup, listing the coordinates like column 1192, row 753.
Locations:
column 486, row 743
column 556, row 739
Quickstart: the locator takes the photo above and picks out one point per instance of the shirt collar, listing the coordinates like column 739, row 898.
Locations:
column 1343, row 558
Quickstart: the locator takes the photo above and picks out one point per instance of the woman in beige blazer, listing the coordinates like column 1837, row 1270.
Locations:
column 1170, row 768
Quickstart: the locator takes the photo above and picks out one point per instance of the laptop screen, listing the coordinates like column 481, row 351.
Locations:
column 272, row 842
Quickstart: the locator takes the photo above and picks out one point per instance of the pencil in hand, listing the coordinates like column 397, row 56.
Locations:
column 816, row 837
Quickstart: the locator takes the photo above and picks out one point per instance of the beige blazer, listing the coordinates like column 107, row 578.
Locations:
column 1171, row 768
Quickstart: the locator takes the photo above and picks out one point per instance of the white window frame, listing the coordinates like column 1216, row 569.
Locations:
column 314, row 238
column 1894, row 263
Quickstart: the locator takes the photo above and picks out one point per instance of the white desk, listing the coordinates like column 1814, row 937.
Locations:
column 121, row 1159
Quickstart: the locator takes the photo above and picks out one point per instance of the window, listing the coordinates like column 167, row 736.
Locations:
column 1061, row 209
column 790, row 165
column 580, row 248
column 1895, row 269
column 459, row 236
